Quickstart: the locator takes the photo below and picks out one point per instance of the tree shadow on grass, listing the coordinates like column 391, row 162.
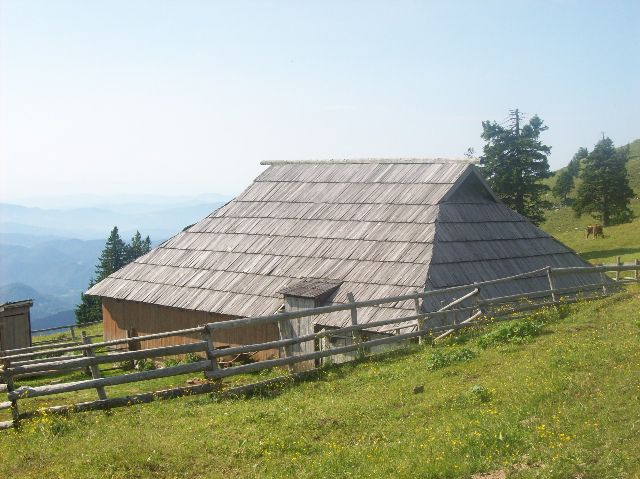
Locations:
column 610, row 252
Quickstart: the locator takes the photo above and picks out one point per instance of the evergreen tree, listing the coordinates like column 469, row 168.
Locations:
column 112, row 258
column 564, row 184
column 90, row 308
column 605, row 192
column 134, row 249
column 566, row 178
column 137, row 247
column 146, row 245
column 574, row 164
column 514, row 161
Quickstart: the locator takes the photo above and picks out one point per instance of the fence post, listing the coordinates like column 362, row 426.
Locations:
column 476, row 300
column 132, row 345
column 618, row 263
column 326, row 346
column 207, row 335
column 8, row 379
column 636, row 272
column 357, row 334
column 72, row 329
column 551, row 285
column 420, row 320
column 95, row 371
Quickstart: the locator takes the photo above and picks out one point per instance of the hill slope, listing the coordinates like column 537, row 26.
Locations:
column 561, row 404
column 620, row 240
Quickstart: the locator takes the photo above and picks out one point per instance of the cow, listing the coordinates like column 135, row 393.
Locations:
column 595, row 230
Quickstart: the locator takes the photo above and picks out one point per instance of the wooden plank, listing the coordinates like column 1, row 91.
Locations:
column 466, row 321
column 594, row 269
column 15, row 415
column 211, row 349
column 94, row 370
column 551, row 285
column 420, row 320
column 39, row 347
column 81, row 362
column 6, row 425
column 124, row 401
column 539, row 294
column 356, row 335
column 38, row 391
column 80, row 347
column 44, row 360
column 66, row 326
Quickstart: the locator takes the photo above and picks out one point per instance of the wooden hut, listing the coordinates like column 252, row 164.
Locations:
column 15, row 325
column 373, row 228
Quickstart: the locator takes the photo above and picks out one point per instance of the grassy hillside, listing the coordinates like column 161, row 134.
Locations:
column 621, row 240
column 557, row 397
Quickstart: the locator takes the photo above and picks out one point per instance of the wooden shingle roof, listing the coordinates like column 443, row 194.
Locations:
column 378, row 227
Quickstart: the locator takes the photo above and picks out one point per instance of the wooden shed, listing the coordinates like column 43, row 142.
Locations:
column 15, row 325
column 373, row 228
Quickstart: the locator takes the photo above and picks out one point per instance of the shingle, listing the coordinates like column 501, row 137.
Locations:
column 377, row 228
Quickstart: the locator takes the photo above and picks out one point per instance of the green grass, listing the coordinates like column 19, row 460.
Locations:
column 562, row 401
column 620, row 240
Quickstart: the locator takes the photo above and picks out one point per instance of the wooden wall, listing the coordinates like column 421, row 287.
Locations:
column 120, row 316
column 15, row 328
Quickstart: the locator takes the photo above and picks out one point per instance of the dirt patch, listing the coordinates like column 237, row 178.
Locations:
column 499, row 474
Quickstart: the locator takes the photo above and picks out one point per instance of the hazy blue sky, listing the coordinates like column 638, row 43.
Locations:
column 168, row 97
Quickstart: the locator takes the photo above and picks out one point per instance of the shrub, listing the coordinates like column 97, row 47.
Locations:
column 480, row 393
column 125, row 365
column 441, row 359
column 192, row 358
column 145, row 365
column 514, row 332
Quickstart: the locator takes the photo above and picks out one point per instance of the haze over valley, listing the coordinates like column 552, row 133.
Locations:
column 50, row 254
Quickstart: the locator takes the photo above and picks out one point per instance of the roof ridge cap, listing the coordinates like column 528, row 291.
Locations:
column 364, row 161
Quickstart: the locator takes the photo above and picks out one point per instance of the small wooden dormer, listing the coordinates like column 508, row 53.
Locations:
column 308, row 293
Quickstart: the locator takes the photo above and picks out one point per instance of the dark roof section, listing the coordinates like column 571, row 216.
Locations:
column 311, row 288
column 16, row 304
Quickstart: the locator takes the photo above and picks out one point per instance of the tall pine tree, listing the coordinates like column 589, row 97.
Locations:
column 514, row 161
column 605, row 192
column 566, row 178
column 114, row 256
column 137, row 247
column 564, row 184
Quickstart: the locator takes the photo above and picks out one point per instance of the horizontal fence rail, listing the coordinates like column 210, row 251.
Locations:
column 359, row 338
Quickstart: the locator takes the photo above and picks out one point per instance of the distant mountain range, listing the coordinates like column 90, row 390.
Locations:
column 50, row 255
column 92, row 223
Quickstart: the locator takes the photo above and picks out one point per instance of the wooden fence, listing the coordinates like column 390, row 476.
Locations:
column 363, row 338
column 67, row 327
